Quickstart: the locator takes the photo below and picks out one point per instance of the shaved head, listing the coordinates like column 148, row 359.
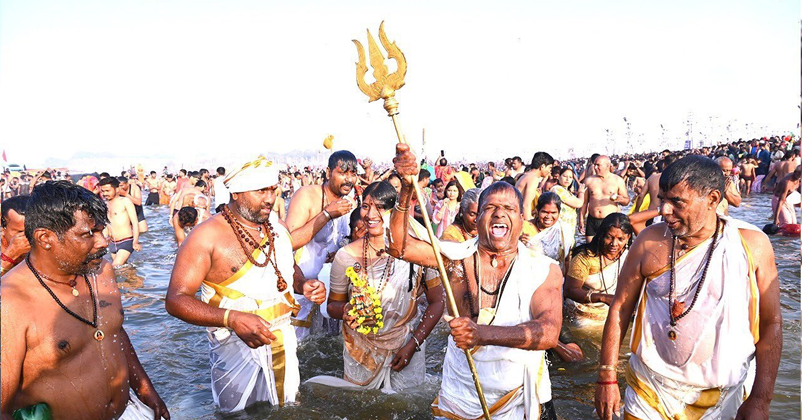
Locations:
column 602, row 164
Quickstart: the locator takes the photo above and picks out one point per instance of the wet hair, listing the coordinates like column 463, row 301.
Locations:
column 200, row 183
column 221, row 170
column 114, row 182
column 540, row 159
column 593, row 158
column 498, row 187
column 52, row 206
column 700, row 173
column 187, row 216
column 470, row 197
column 460, row 191
column 17, row 203
column 122, row 179
column 383, row 194
column 613, row 220
column 344, row 160
column 548, row 198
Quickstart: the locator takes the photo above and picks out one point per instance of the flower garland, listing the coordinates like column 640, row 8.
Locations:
column 365, row 304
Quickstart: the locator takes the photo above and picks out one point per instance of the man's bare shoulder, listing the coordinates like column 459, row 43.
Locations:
column 16, row 285
column 307, row 192
column 207, row 233
column 757, row 241
column 650, row 236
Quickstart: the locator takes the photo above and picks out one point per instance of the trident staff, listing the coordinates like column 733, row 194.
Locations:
column 384, row 88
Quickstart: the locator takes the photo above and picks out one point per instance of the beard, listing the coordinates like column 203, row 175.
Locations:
column 92, row 264
column 254, row 215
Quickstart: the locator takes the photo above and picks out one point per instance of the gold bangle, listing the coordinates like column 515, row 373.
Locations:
column 225, row 318
column 590, row 293
column 400, row 209
column 607, row 367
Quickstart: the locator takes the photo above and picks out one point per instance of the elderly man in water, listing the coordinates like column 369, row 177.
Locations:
column 241, row 259
column 707, row 333
column 65, row 351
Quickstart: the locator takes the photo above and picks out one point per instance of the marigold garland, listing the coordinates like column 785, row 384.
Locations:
column 365, row 303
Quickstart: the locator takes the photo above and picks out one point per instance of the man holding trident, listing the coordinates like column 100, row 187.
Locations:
column 510, row 298
column 241, row 259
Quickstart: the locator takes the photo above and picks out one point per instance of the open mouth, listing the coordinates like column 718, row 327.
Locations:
column 498, row 230
column 373, row 223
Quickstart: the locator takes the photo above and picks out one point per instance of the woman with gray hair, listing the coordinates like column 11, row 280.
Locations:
column 464, row 226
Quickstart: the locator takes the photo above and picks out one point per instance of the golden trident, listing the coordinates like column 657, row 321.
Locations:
column 384, row 87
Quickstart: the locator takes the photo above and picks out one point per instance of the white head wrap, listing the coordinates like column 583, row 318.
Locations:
column 252, row 176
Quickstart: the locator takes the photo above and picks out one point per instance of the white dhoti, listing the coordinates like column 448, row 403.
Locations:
column 706, row 372
column 242, row 375
column 311, row 259
column 136, row 409
column 515, row 381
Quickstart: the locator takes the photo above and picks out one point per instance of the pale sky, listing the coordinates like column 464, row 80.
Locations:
column 223, row 80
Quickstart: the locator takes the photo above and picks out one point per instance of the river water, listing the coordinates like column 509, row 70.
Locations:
column 175, row 354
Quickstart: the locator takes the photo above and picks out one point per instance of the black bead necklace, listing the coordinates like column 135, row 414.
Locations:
column 98, row 333
column 675, row 307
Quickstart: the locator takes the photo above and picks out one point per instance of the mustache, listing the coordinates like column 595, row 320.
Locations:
column 347, row 184
column 97, row 255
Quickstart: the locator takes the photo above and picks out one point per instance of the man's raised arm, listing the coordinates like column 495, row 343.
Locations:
column 402, row 245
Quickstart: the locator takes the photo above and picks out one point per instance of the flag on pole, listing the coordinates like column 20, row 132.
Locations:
column 4, row 156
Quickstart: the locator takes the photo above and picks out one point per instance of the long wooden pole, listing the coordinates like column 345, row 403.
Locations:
column 452, row 304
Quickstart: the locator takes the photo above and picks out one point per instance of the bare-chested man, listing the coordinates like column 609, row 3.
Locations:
column 134, row 193
column 318, row 230
column 241, row 260
column 183, row 223
column 516, row 169
column 606, row 191
column 186, row 197
column 748, row 174
column 529, row 183
column 123, row 228
column 781, row 169
column 732, row 195
column 167, row 189
column 786, row 197
column 14, row 243
column 79, row 363
column 154, row 185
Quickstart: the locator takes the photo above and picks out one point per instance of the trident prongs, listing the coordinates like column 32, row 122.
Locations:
column 386, row 84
